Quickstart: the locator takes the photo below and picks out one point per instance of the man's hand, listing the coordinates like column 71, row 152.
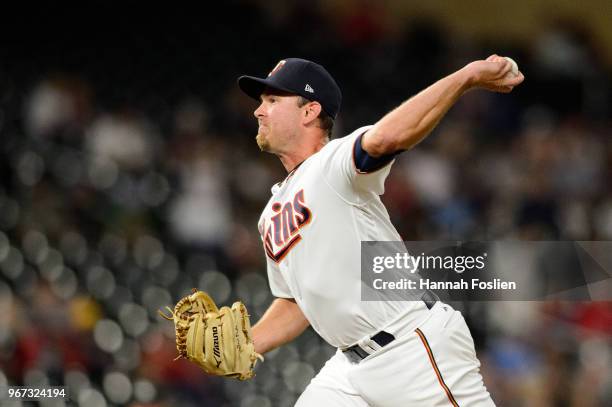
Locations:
column 493, row 74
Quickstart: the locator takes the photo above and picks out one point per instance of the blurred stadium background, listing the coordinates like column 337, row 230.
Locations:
column 129, row 174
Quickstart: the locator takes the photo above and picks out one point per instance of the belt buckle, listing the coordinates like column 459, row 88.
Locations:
column 358, row 352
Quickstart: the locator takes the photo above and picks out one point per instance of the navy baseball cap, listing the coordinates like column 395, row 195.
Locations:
column 300, row 77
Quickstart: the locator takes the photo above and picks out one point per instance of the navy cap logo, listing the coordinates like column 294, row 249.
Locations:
column 277, row 67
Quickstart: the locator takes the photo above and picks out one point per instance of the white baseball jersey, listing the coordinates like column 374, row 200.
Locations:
column 312, row 229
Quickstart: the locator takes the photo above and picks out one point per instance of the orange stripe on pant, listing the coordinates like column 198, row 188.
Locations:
column 435, row 367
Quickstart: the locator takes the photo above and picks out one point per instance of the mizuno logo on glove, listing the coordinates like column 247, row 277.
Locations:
column 216, row 350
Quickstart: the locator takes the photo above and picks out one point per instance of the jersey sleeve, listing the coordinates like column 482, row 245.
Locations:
column 278, row 285
column 349, row 169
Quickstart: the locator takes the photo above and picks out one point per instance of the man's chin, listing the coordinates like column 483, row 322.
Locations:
column 262, row 142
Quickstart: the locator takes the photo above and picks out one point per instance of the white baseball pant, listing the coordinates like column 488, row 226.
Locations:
column 431, row 364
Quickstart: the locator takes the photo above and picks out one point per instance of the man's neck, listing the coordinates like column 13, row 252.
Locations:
column 292, row 160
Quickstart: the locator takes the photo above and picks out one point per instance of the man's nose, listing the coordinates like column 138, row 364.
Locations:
column 259, row 111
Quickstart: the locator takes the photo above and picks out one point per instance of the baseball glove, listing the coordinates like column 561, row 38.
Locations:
column 217, row 340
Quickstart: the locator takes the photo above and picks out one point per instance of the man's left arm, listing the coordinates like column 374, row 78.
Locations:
column 413, row 120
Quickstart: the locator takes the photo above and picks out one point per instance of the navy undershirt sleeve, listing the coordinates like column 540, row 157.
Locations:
column 365, row 163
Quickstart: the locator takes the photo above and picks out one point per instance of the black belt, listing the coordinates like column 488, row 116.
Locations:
column 429, row 298
column 356, row 353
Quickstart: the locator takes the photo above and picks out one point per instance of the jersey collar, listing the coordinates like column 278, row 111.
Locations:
column 276, row 187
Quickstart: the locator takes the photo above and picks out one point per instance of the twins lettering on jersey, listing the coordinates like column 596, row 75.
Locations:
column 281, row 230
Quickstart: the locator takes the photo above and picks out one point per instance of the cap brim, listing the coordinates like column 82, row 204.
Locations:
column 254, row 87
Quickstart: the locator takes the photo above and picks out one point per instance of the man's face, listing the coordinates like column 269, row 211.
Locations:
column 279, row 118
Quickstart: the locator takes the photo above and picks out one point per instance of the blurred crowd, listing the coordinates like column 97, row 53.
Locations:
column 129, row 175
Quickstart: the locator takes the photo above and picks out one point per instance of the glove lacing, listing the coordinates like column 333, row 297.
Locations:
column 182, row 326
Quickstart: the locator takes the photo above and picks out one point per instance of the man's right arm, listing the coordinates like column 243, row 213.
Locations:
column 413, row 120
column 282, row 322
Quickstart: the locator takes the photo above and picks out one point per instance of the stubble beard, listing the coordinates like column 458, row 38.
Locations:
column 262, row 142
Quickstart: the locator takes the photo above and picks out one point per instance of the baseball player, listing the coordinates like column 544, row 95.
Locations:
column 390, row 353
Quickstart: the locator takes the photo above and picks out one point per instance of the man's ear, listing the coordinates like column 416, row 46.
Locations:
column 311, row 112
